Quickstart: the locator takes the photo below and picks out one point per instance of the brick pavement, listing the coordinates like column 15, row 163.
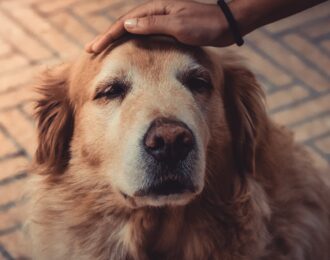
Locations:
column 291, row 58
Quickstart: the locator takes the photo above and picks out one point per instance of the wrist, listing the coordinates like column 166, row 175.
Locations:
column 222, row 31
column 232, row 22
column 242, row 14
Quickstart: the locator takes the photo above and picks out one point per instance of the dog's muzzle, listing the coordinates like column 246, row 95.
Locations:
column 169, row 149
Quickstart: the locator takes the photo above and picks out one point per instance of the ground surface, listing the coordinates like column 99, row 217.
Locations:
column 291, row 59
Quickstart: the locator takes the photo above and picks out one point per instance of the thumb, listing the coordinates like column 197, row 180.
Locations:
column 155, row 24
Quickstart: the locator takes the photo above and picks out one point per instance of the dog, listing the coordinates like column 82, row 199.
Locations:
column 157, row 150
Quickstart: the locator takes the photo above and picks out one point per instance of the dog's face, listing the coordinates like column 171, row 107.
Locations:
column 140, row 117
column 153, row 131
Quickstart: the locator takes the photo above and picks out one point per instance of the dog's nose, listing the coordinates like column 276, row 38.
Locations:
column 168, row 140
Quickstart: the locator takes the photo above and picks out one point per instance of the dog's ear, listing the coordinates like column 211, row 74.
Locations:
column 55, row 120
column 245, row 114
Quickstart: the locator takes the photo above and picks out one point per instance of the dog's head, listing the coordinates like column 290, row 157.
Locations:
column 144, row 118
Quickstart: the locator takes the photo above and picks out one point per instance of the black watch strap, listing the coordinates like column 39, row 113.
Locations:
column 233, row 25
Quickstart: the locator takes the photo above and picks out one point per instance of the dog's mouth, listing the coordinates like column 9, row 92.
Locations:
column 175, row 188
column 167, row 185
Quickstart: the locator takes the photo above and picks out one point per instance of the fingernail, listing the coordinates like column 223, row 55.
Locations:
column 130, row 23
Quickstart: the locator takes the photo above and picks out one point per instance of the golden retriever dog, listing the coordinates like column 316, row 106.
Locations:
column 156, row 150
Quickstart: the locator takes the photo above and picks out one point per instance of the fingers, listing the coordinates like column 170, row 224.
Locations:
column 147, row 9
column 101, row 41
column 155, row 24
column 88, row 46
column 118, row 29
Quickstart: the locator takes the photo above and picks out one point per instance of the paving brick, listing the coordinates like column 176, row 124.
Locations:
column 318, row 29
column 16, row 96
column 326, row 44
column 72, row 27
column 16, row 35
column 92, row 10
column 13, row 216
column 2, row 257
column 28, row 109
column 315, row 56
column 11, row 167
column 6, row 146
column 87, row 8
column 4, row 48
column 12, row 62
column 41, row 27
column 307, row 109
column 10, row 80
column 118, row 8
column 55, row 5
column 285, row 97
column 20, row 128
column 12, row 194
column 317, row 159
column 19, row 3
column 289, row 61
column 312, row 128
column 15, row 243
column 301, row 19
column 99, row 23
column 324, row 144
column 264, row 67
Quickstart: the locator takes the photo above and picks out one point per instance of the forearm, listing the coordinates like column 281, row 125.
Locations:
column 252, row 14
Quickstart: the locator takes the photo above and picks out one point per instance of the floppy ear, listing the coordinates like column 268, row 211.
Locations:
column 245, row 114
column 54, row 115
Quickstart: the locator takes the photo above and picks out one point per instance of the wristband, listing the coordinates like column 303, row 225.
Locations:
column 231, row 22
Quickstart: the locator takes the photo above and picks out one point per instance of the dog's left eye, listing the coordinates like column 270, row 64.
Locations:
column 112, row 91
column 198, row 84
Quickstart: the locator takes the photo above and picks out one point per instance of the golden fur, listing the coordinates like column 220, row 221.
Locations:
column 262, row 197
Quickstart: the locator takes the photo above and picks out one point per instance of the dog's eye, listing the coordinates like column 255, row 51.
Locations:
column 196, row 80
column 112, row 91
column 198, row 84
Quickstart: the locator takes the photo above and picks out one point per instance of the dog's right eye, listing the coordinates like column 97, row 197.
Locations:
column 112, row 91
column 197, row 80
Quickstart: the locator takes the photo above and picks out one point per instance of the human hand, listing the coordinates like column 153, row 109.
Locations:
column 187, row 21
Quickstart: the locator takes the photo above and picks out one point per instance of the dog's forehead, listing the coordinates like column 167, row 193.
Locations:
column 148, row 58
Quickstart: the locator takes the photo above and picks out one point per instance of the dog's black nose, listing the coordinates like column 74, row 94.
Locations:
column 168, row 140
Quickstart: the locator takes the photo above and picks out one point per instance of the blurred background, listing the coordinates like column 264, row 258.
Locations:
column 291, row 59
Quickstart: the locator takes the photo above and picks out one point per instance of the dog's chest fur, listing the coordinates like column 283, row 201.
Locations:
column 166, row 234
column 210, row 231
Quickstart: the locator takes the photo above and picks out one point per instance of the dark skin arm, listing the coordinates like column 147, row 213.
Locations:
column 196, row 23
